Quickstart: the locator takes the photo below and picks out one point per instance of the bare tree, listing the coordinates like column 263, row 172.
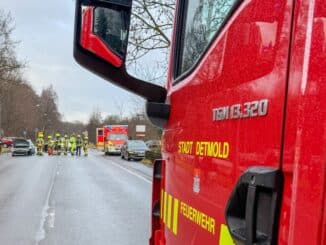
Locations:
column 49, row 114
column 152, row 22
column 72, row 127
column 22, row 111
column 95, row 121
column 120, row 107
column 150, row 75
column 10, row 70
column 10, row 67
column 111, row 119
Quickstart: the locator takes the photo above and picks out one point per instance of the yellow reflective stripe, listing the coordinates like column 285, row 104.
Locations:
column 165, row 202
column 175, row 216
column 161, row 204
column 169, row 211
column 225, row 236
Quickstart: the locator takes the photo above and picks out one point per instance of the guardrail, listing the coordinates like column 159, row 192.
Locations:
column 152, row 155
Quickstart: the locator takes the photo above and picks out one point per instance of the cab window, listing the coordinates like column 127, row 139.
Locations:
column 202, row 21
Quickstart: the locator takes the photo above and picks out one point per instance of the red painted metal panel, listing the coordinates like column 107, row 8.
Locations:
column 247, row 62
column 92, row 42
column 303, row 212
column 115, row 129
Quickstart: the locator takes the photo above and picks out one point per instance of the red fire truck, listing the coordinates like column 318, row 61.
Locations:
column 99, row 138
column 243, row 116
column 114, row 137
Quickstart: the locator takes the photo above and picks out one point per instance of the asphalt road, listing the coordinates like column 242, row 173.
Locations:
column 64, row 200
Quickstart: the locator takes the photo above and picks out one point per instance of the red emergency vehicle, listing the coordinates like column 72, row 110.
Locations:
column 100, row 138
column 114, row 137
column 243, row 116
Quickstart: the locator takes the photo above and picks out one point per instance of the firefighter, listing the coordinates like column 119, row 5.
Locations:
column 66, row 145
column 85, row 145
column 61, row 143
column 72, row 144
column 79, row 144
column 57, row 145
column 50, row 145
column 39, row 144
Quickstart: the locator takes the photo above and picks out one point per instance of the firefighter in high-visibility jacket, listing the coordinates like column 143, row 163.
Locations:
column 57, row 143
column 62, row 144
column 72, row 141
column 40, row 144
column 50, row 145
column 85, row 145
column 79, row 144
column 66, row 145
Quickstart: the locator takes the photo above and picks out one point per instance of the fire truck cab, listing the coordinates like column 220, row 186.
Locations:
column 243, row 116
column 114, row 138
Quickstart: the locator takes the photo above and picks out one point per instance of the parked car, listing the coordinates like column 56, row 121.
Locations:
column 133, row 149
column 32, row 148
column 7, row 141
column 20, row 147
column 154, row 145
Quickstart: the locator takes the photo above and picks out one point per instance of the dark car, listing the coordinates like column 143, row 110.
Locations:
column 154, row 145
column 133, row 149
column 20, row 147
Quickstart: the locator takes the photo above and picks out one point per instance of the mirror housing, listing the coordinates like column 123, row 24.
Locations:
column 105, row 54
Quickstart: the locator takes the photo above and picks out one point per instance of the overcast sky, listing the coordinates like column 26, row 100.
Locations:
column 45, row 29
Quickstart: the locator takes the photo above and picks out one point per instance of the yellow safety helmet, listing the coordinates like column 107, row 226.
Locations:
column 66, row 136
column 49, row 137
column 78, row 135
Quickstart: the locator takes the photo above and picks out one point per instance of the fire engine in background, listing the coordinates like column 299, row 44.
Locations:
column 114, row 137
column 243, row 116
column 100, row 138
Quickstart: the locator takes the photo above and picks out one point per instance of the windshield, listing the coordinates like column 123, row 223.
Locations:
column 117, row 137
column 21, row 143
column 137, row 144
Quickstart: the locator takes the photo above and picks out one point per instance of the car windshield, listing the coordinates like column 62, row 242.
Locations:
column 21, row 143
column 137, row 144
column 117, row 137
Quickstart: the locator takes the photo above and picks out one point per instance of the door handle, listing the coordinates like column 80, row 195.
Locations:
column 252, row 210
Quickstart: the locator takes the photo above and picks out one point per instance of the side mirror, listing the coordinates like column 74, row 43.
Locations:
column 100, row 45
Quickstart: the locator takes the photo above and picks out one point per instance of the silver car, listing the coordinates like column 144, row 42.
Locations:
column 133, row 149
column 20, row 147
column 32, row 148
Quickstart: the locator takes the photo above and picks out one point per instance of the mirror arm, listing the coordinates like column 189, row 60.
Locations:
column 119, row 76
column 158, row 113
column 115, row 74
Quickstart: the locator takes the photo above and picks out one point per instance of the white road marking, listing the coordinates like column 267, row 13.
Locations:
column 46, row 214
column 131, row 172
column 51, row 217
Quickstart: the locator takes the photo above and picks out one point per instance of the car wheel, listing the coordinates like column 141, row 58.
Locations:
column 12, row 154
